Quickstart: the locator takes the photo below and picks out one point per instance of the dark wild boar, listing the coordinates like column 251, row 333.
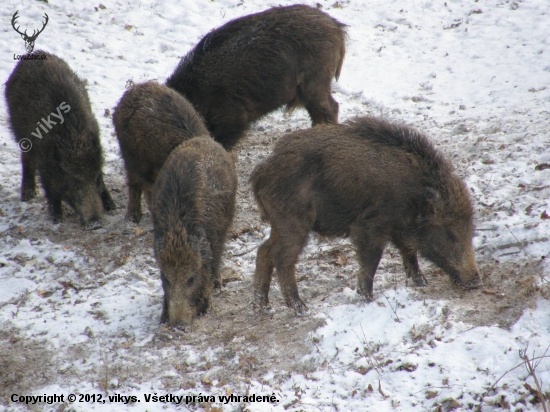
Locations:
column 150, row 121
column 254, row 64
column 193, row 206
column 373, row 181
column 51, row 117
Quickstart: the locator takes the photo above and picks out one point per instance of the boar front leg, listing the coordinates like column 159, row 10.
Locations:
column 28, row 184
column 291, row 240
column 410, row 263
column 133, row 211
column 264, row 271
column 369, row 251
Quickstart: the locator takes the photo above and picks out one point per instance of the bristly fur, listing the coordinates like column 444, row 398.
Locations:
column 254, row 64
column 193, row 203
column 439, row 173
column 68, row 156
column 370, row 180
column 150, row 121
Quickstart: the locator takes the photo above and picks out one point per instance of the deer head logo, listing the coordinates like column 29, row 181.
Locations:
column 29, row 40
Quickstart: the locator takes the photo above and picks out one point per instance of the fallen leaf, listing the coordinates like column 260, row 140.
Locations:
column 431, row 394
column 544, row 215
column 363, row 370
column 341, row 260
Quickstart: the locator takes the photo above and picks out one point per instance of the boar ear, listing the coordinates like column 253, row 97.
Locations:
column 429, row 203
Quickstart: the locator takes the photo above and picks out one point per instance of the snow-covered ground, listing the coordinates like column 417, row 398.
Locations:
column 79, row 311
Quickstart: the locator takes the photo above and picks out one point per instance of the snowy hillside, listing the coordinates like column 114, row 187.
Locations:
column 80, row 310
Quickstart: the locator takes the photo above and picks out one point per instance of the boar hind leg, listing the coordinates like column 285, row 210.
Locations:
column 410, row 263
column 106, row 199
column 285, row 253
column 133, row 211
column 316, row 97
column 264, row 271
column 369, row 253
column 148, row 197
column 28, row 184
column 217, row 251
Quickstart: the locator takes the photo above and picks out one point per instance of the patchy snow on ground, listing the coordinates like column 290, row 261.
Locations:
column 79, row 311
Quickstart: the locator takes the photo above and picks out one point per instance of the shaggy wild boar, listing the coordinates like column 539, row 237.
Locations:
column 254, row 64
column 373, row 181
column 193, row 206
column 51, row 117
column 150, row 121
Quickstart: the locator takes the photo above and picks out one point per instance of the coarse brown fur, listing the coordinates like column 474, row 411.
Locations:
column 193, row 207
column 373, row 181
column 50, row 112
column 150, row 121
column 254, row 64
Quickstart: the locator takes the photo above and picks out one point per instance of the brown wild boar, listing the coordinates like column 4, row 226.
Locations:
column 150, row 121
column 51, row 118
column 193, row 205
column 373, row 181
column 254, row 64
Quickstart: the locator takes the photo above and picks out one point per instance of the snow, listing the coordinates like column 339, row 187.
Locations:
column 474, row 76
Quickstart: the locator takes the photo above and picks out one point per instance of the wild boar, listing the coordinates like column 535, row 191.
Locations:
column 370, row 180
column 150, row 121
column 254, row 64
column 52, row 121
column 193, row 205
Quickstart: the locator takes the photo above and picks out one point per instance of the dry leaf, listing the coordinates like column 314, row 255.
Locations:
column 431, row 394
column 341, row 260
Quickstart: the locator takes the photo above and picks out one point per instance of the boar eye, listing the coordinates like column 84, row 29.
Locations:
column 190, row 281
column 451, row 236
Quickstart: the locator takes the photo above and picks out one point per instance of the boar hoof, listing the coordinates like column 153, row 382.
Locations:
column 93, row 225
column 420, row 280
column 299, row 307
column 262, row 305
column 217, row 285
column 475, row 283
column 266, row 310
column 133, row 217
column 366, row 295
column 28, row 194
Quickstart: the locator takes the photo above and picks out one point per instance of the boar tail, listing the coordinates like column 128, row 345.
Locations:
column 341, row 60
column 256, row 188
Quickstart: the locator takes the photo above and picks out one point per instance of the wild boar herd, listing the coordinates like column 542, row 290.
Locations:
column 367, row 179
